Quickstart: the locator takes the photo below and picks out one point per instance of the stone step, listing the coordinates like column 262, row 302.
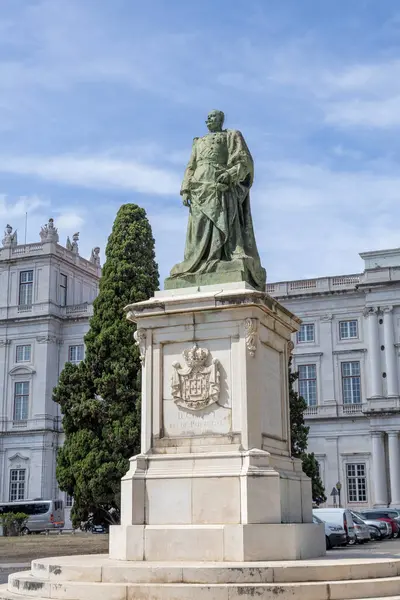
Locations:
column 25, row 585
column 5, row 594
column 98, row 568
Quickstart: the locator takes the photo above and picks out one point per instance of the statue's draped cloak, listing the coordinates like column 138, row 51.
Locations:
column 220, row 227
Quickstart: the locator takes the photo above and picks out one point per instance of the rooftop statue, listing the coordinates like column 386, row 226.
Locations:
column 220, row 242
column 49, row 233
column 10, row 238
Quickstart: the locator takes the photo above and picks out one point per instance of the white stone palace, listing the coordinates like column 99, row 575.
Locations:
column 347, row 355
column 46, row 296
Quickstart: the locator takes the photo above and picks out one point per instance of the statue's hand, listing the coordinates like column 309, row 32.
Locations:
column 186, row 199
column 224, row 178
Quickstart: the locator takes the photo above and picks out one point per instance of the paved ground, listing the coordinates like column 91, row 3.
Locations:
column 16, row 553
column 5, row 572
column 388, row 549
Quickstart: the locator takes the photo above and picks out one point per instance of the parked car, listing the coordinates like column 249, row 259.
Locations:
column 378, row 529
column 334, row 534
column 338, row 516
column 388, row 515
column 362, row 530
column 374, row 533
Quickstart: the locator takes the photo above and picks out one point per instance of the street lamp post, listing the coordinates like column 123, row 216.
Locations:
column 339, row 487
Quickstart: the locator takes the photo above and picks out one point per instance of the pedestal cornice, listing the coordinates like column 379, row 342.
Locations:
column 209, row 298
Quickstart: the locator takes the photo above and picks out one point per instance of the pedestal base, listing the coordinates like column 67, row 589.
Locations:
column 98, row 577
column 217, row 542
column 233, row 271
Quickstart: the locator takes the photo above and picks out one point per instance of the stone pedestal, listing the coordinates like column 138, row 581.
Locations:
column 215, row 480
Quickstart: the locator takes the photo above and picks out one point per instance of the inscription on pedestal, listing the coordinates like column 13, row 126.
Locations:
column 195, row 424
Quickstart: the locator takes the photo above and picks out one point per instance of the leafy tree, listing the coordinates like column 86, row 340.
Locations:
column 100, row 397
column 310, row 468
column 299, row 439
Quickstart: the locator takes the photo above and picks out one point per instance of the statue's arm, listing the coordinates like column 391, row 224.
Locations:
column 240, row 165
column 190, row 169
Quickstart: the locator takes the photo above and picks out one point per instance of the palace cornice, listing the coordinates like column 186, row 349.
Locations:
column 330, row 438
column 27, row 433
column 355, row 454
column 307, row 354
column 320, row 294
column 45, row 318
column 382, row 412
column 349, row 351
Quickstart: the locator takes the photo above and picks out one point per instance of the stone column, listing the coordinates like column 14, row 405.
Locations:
column 394, row 467
column 390, row 352
column 379, row 481
column 374, row 359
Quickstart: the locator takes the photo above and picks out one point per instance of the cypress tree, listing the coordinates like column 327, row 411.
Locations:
column 100, row 397
column 299, row 439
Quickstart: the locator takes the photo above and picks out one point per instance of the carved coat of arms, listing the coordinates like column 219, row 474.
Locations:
column 196, row 386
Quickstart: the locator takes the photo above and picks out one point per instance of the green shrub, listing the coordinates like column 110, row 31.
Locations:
column 13, row 523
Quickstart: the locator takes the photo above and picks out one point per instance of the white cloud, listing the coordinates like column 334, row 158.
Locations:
column 312, row 220
column 96, row 172
column 344, row 152
column 381, row 113
column 69, row 220
column 15, row 209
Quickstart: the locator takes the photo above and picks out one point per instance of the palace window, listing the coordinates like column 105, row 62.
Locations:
column 25, row 288
column 348, row 329
column 306, row 333
column 21, row 400
column 356, row 482
column 63, row 290
column 308, row 383
column 17, row 484
column 75, row 353
column 351, row 382
column 23, row 353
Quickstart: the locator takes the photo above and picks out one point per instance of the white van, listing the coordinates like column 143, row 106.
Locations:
column 43, row 515
column 340, row 516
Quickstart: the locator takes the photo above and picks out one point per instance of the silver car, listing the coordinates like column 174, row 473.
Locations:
column 362, row 530
column 378, row 529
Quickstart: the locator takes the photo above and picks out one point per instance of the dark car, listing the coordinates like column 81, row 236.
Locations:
column 389, row 515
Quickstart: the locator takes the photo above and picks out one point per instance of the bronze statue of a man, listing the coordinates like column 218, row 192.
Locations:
column 220, row 242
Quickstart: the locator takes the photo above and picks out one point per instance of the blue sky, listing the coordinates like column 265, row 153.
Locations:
column 100, row 100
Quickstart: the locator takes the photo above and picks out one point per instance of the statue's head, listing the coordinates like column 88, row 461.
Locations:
column 215, row 120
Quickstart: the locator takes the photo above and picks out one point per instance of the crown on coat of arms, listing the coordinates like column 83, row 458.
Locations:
column 195, row 356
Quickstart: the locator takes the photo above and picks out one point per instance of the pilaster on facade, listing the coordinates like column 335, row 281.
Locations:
column 374, row 357
column 390, row 352
column 379, row 479
column 394, row 467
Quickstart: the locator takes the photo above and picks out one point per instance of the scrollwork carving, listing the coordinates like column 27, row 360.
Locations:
column 140, row 338
column 251, row 333
column 46, row 339
column 387, row 309
column 369, row 311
